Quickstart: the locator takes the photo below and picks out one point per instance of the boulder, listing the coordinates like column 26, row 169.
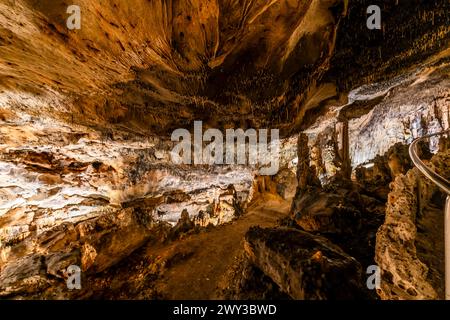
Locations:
column 304, row 266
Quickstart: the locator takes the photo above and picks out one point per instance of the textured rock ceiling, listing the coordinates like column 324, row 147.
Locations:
column 160, row 64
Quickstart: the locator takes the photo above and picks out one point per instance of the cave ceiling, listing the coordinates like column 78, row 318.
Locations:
column 153, row 66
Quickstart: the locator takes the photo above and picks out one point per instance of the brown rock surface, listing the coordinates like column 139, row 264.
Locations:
column 95, row 244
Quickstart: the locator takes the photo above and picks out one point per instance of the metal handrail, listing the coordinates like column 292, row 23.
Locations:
column 440, row 181
column 444, row 184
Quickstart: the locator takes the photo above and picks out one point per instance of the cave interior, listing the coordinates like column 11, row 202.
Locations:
column 97, row 98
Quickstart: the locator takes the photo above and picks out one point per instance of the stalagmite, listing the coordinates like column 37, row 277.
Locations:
column 306, row 174
column 344, row 151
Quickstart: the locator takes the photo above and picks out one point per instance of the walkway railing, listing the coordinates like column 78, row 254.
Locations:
column 444, row 184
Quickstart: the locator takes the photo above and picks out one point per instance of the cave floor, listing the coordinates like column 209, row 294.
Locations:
column 192, row 267
column 211, row 254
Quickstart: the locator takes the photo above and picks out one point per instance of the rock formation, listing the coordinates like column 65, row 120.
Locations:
column 303, row 266
column 410, row 244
